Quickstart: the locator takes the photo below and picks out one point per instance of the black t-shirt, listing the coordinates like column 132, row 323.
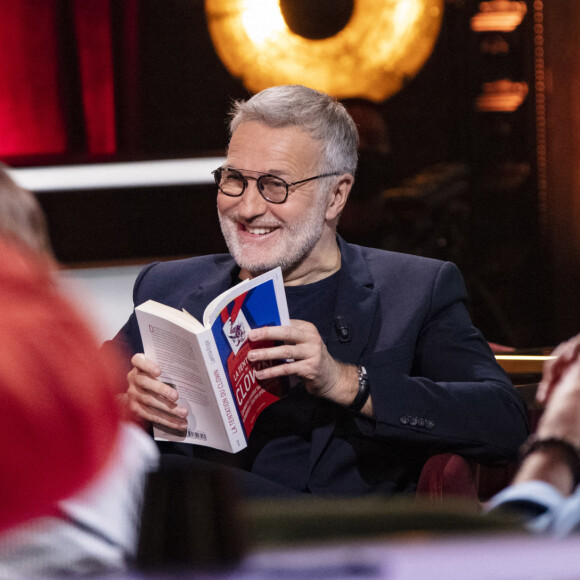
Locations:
column 279, row 445
column 314, row 303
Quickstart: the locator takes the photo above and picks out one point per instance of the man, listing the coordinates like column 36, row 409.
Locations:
column 391, row 370
column 545, row 490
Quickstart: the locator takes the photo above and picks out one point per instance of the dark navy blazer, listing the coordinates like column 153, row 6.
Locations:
column 435, row 384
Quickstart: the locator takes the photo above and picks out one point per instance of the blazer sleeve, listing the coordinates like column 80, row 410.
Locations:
column 127, row 341
column 189, row 283
column 440, row 385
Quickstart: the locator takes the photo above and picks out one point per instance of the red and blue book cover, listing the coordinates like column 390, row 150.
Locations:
column 255, row 308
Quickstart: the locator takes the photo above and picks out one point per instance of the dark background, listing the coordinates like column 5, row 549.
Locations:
column 472, row 175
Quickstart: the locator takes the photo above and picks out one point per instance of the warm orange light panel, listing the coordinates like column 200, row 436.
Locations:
column 499, row 15
column 522, row 364
column 384, row 44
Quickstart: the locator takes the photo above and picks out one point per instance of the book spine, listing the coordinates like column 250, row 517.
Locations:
column 223, row 393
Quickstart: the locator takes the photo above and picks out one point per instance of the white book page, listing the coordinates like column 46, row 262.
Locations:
column 182, row 365
column 180, row 317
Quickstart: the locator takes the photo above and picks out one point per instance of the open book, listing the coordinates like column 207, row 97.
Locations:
column 207, row 363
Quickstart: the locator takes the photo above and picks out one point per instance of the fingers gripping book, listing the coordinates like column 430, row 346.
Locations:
column 207, row 362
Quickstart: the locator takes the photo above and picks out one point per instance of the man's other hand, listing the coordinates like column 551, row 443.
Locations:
column 150, row 400
column 304, row 354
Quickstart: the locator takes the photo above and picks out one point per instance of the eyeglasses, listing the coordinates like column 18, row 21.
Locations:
column 273, row 189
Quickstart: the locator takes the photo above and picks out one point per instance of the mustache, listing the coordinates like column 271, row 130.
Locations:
column 254, row 223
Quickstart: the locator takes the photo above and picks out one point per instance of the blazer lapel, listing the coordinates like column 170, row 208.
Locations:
column 356, row 302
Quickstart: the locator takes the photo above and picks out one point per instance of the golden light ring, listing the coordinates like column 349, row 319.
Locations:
column 384, row 44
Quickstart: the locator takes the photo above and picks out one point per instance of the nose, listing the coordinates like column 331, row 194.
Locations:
column 251, row 202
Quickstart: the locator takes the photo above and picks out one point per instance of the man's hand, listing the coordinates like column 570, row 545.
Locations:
column 304, row 354
column 565, row 354
column 150, row 400
column 560, row 390
column 561, row 387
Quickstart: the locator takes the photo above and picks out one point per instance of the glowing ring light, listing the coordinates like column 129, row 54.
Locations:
column 384, row 44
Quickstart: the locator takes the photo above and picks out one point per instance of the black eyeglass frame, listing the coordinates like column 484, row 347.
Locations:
column 217, row 178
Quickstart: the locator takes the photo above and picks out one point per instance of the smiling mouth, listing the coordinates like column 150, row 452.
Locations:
column 258, row 231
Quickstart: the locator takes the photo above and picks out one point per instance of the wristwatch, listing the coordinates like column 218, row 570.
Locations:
column 570, row 452
column 363, row 393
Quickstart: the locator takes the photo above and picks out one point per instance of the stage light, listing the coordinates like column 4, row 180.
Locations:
column 366, row 48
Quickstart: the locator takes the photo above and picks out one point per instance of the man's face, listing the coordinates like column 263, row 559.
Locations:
column 262, row 235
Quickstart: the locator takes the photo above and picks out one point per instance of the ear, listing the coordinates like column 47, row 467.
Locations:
column 339, row 196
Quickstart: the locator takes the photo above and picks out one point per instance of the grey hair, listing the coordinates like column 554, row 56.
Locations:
column 317, row 114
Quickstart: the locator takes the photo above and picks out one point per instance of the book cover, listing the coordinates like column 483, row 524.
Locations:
column 253, row 309
column 207, row 364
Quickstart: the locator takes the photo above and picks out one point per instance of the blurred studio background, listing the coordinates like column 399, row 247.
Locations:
column 113, row 113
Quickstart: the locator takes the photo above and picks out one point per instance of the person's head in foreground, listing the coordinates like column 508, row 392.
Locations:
column 22, row 219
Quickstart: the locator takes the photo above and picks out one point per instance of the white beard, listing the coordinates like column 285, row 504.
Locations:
column 292, row 244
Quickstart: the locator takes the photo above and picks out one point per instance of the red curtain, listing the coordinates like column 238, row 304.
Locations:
column 31, row 119
column 92, row 21
column 58, row 62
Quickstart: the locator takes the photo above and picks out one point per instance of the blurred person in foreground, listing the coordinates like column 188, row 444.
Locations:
column 72, row 473
column 390, row 368
column 22, row 219
column 545, row 490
